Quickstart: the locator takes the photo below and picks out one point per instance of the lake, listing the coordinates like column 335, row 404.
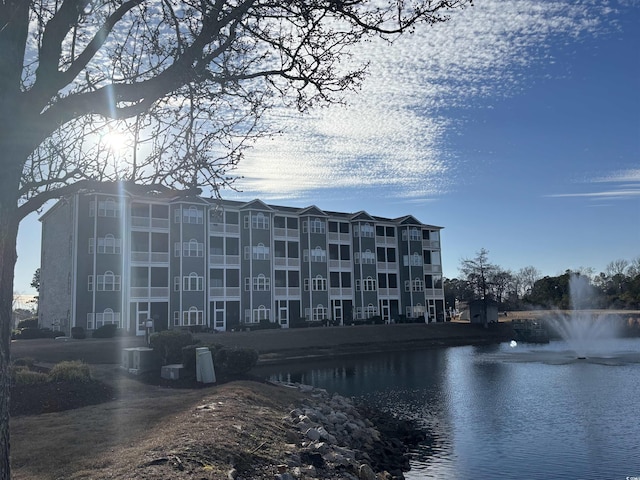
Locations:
column 503, row 411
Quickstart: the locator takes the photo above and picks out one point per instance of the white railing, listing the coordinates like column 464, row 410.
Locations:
column 340, row 264
column 428, row 268
column 386, row 241
column 150, row 222
column 388, row 266
column 341, row 292
column 224, row 259
column 149, row 292
column 286, row 233
column 431, row 243
column 388, row 292
column 433, row 292
column 287, row 292
column 286, row 262
column 224, row 292
column 339, row 237
column 150, row 257
column 224, row 228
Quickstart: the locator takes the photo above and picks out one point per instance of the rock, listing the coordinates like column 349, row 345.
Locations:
column 365, row 472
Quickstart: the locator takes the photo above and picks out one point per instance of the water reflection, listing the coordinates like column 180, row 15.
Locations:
column 501, row 412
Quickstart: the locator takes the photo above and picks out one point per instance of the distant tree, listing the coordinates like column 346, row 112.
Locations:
column 526, row 277
column 500, row 281
column 478, row 272
column 35, row 281
column 190, row 80
column 456, row 290
column 616, row 267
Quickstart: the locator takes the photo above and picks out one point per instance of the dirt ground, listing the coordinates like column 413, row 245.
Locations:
column 145, row 431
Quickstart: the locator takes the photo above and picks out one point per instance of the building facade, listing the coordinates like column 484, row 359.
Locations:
column 126, row 256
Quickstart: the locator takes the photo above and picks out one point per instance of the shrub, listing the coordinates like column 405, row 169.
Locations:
column 28, row 323
column 74, row 371
column 236, row 361
column 24, row 362
column 105, row 331
column 78, row 333
column 169, row 344
column 24, row 376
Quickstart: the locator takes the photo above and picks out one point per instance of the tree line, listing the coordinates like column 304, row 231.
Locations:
column 618, row 286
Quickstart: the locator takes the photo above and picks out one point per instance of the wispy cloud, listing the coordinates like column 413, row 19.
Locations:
column 621, row 184
column 393, row 134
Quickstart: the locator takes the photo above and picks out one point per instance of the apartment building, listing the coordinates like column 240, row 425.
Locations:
column 126, row 255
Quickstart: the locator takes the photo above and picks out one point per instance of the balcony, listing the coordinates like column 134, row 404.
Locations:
column 434, row 292
column 224, row 292
column 287, row 292
column 149, row 292
column 286, row 262
column 224, row 228
column 335, row 237
column 431, row 244
column 286, row 233
column 340, row 264
column 386, row 242
column 224, row 259
column 341, row 292
column 387, row 266
column 150, row 222
column 150, row 257
column 432, row 268
column 389, row 292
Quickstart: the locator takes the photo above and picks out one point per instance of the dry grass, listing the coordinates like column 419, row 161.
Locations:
column 158, row 434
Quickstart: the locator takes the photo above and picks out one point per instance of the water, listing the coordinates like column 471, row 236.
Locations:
column 503, row 412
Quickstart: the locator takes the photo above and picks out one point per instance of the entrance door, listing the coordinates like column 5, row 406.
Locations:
column 142, row 315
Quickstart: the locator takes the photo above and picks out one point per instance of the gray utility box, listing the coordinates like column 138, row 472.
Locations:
column 139, row 360
column 172, row 372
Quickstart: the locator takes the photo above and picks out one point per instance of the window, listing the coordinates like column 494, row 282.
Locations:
column 260, row 252
column 366, row 257
column 318, row 283
column 106, row 208
column 258, row 220
column 261, row 283
column 192, row 215
column 340, row 279
column 414, row 260
column 193, row 283
column 109, row 244
column 366, row 285
column 106, row 283
column 318, row 255
column 260, row 314
column 193, row 316
column 412, row 234
column 366, row 230
column 319, row 313
column 190, row 249
column 415, row 285
column 317, row 226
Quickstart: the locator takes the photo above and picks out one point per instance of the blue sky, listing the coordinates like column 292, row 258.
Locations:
column 515, row 126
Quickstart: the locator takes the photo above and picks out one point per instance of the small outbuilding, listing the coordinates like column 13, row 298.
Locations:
column 474, row 311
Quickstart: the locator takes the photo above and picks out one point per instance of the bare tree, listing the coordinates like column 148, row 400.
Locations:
column 526, row 278
column 188, row 80
column 477, row 272
column 616, row 267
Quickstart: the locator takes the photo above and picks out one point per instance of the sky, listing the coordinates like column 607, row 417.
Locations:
column 515, row 126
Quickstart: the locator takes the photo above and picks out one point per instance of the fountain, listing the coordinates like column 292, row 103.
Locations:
column 579, row 336
column 585, row 333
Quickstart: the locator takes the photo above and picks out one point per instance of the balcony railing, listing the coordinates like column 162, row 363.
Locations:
column 386, row 241
column 149, row 292
column 150, row 257
column 388, row 292
column 286, row 233
column 287, row 292
column 431, row 243
column 224, row 292
column 150, row 222
column 286, row 262
column 224, row 228
column 393, row 266
column 340, row 264
column 433, row 292
column 432, row 268
column 224, row 259
column 341, row 292
column 339, row 237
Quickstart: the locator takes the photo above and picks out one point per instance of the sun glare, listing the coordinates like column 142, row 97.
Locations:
column 115, row 141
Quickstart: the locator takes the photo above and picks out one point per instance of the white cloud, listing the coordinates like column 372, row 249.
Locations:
column 394, row 132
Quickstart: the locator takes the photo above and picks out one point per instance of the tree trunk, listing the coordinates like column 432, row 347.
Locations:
column 8, row 257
